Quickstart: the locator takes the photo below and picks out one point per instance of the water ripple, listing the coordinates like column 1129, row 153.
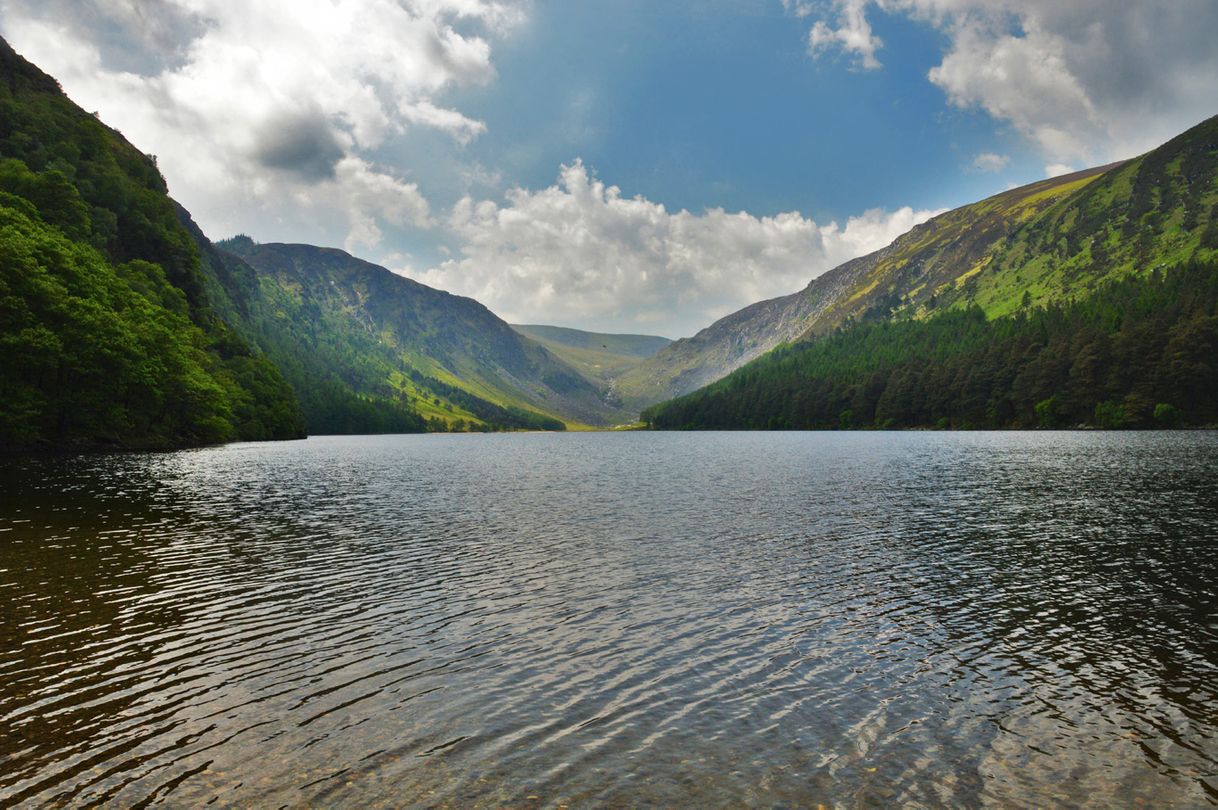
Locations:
column 625, row 619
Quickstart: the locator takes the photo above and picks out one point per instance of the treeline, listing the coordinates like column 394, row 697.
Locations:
column 1140, row 352
column 107, row 334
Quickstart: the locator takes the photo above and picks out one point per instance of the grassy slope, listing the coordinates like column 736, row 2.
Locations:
column 602, row 357
column 1097, row 226
column 640, row 346
column 931, row 265
column 1151, row 212
column 393, row 337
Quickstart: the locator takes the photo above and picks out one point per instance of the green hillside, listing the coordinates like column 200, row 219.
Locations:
column 122, row 325
column 322, row 314
column 1153, row 212
column 638, row 346
column 1058, row 296
column 916, row 270
column 1138, row 352
column 598, row 356
column 108, row 334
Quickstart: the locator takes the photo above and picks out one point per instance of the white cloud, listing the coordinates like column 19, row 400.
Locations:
column 990, row 162
column 800, row 8
column 266, row 112
column 1086, row 81
column 1022, row 79
column 579, row 253
column 851, row 32
column 1058, row 169
column 370, row 195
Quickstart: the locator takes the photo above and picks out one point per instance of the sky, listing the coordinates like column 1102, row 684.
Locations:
column 618, row 165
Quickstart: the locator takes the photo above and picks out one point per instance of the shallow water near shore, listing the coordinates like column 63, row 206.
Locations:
column 643, row 619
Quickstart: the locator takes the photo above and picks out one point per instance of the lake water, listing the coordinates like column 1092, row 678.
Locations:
column 642, row 619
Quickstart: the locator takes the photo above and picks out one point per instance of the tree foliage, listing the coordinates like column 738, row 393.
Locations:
column 107, row 333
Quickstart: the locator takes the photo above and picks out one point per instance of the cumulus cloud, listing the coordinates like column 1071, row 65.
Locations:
column 1086, row 81
column 849, row 31
column 990, row 162
column 271, row 108
column 370, row 197
column 580, row 253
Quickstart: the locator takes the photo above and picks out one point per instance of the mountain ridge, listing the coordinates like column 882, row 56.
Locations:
column 109, row 335
column 748, row 333
column 427, row 344
column 1043, row 325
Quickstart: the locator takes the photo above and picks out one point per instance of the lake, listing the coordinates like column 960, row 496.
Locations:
column 642, row 619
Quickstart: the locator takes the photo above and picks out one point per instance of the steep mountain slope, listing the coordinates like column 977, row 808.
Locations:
column 1155, row 211
column 601, row 357
column 323, row 312
column 1141, row 351
column 937, row 253
column 1098, row 309
column 108, row 334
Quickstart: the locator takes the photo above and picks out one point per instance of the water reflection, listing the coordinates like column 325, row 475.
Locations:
column 616, row 618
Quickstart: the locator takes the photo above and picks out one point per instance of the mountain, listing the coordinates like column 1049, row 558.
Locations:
column 936, row 254
column 1096, row 307
column 637, row 346
column 322, row 314
column 598, row 356
column 109, row 336
column 123, row 325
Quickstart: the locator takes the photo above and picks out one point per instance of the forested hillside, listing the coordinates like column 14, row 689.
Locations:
column 122, row 325
column 1068, row 318
column 1139, row 352
column 919, row 267
column 108, row 336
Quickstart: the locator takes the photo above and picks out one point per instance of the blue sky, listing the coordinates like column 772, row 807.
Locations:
column 718, row 104
column 618, row 165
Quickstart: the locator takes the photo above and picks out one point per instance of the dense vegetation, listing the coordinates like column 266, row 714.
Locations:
column 107, row 333
column 1140, row 352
